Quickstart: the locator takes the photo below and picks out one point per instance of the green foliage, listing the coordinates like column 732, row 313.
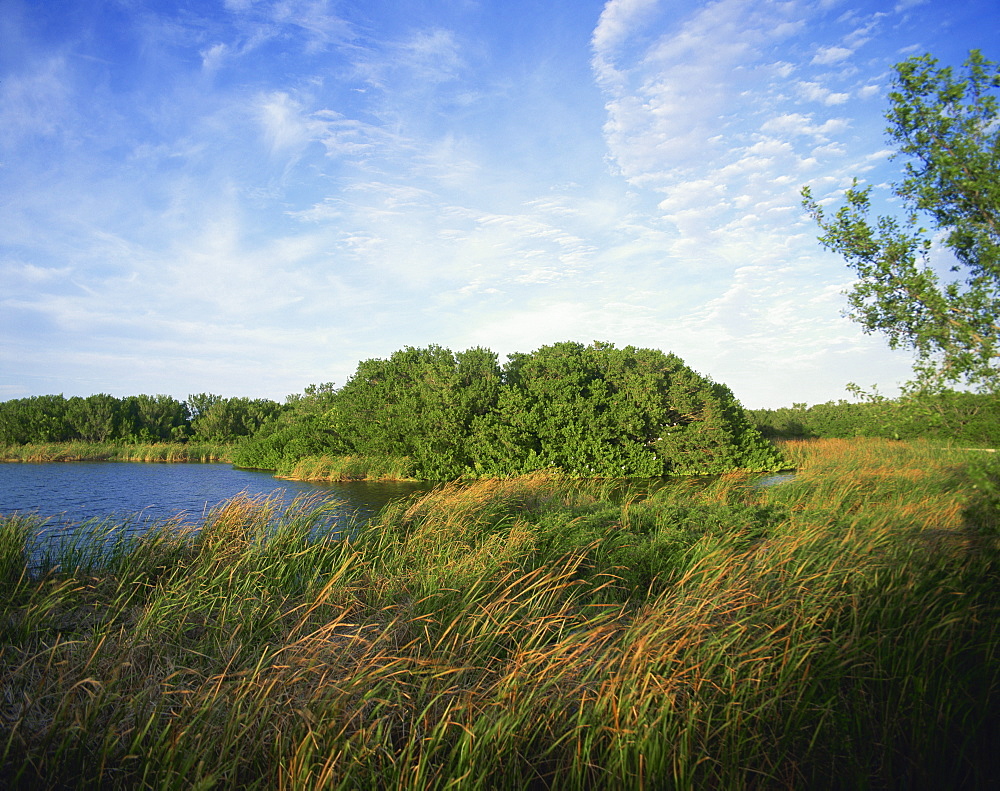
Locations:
column 947, row 130
column 149, row 418
column 34, row 419
column 965, row 418
column 598, row 411
column 291, row 433
column 589, row 411
column 982, row 512
column 315, row 400
column 421, row 404
column 103, row 418
column 95, row 418
column 226, row 419
column 279, row 442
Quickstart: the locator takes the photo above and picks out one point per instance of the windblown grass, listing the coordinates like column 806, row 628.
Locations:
column 837, row 631
column 117, row 451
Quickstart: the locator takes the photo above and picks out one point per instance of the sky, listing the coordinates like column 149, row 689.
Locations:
column 245, row 197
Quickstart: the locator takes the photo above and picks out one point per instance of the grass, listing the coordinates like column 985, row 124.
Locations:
column 117, row 451
column 347, row 468
column 837, row 631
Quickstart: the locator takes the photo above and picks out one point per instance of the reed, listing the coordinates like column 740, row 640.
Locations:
column 347, row 468
column 837, row 631
column 117, row 451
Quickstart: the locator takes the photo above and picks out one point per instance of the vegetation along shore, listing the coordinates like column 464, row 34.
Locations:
column 432, row 414
column 841, row 630
column 118, row 451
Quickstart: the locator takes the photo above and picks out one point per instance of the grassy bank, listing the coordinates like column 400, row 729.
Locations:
column 117, row 451
column 347, row 468
column 837, row 631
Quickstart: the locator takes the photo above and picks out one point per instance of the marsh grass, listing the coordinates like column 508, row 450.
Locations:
column 837, row 631
column 117, row 451
column 347, row 468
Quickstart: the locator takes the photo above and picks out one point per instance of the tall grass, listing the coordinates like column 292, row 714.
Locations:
column 837, row 631
column 347, row 468
column 118, row 451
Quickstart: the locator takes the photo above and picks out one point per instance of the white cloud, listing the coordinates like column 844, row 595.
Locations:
column 827, row 56
column 36, row 101
column 616, row 23
column 416, row 64
column 797, row 124
column 213, row 57
column 814, row 92
column 283, row 122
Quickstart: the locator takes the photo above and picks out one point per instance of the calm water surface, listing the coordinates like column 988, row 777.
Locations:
column 137, row 494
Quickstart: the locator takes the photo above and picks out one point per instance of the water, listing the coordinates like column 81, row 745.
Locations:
column 773, row 480
column 138, row 494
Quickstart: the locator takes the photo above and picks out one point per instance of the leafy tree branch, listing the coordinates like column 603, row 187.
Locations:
column 947, row 129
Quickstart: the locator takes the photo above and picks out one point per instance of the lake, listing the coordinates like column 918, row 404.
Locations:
column 66, row 494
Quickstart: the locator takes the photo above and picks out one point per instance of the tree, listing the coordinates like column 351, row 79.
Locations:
column 198, row 404
column 227, row 419
column 34, row 419
column 149, row 418
column 94, row 418
column 419, row 403
column 947, row 129
column 590, row 411
column 599, row 411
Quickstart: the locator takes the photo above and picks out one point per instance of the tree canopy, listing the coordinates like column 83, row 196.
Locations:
column 590, row 411
column 930, row 278
column 139, row 418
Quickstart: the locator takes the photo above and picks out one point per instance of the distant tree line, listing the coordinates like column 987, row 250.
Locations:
column 139, row 418
column 590, row 411
column 947, row 415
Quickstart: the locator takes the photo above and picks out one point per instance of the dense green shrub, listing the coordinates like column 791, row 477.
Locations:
column 220, row 419
column 982, row 511
column 588, row 411
column 420, row 404
column 279, row 442
column 598, row 411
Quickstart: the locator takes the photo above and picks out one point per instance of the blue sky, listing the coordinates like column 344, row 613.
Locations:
column 249, row 196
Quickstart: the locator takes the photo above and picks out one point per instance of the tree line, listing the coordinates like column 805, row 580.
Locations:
column 946, row 415
column 138, row 418
column 590, row 411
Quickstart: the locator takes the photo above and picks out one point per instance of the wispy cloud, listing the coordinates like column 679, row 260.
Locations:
column 826, row 56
